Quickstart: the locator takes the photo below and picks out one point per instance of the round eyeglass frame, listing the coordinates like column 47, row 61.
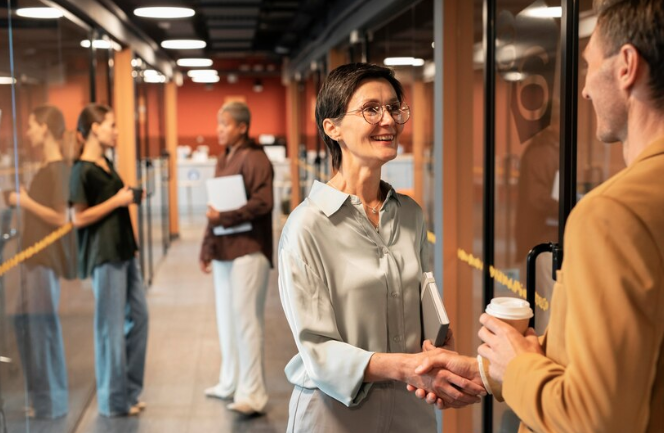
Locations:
column 403, row 108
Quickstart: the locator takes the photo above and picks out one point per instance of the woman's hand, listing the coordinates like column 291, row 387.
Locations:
column 212, row 214
column 205, row 266
column 124, row 197
column 446, row 379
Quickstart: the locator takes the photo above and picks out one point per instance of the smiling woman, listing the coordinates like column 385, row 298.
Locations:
column 356, row 315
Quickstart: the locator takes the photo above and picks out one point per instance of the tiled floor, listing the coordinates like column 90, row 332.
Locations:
column 183, row 355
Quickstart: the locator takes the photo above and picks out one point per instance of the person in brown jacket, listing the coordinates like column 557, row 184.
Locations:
column 240, row 264
column 600, row 365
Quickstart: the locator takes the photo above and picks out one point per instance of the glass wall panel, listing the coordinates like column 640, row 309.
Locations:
column 47, row 373
column 527, row 138
column 152, row 159
column 409, row 35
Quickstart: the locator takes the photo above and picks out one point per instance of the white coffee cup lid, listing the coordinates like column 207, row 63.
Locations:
column 509, row 308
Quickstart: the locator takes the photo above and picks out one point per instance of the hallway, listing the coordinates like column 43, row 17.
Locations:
column 183, row 354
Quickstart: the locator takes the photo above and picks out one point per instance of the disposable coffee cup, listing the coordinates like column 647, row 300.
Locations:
column 514, row 311
column 138, row 195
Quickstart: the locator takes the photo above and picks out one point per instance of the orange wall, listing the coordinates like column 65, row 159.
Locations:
column 198, row 105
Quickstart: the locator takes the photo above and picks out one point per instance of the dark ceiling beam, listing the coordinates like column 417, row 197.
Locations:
column 116, row 23
column 342, row 19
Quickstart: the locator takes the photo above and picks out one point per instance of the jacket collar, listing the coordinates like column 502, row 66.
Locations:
column 653, row 149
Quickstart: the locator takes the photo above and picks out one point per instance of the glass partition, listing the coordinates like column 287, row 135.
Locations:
column 46, row 314
column 152, row 166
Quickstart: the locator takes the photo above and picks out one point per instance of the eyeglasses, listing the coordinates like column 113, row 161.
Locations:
column 373, row 113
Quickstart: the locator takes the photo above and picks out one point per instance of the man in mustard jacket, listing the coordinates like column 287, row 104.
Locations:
column 600, row 365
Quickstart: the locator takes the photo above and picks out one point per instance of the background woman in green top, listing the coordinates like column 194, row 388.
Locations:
column 107, row 251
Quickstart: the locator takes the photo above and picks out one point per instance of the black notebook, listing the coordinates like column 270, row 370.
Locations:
column 434, row 318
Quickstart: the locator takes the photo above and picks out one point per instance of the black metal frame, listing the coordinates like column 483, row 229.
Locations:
column 569, row 88
column 489, row 42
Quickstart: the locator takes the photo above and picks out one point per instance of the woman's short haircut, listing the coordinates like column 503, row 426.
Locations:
column 239, row 111
column 337, row 91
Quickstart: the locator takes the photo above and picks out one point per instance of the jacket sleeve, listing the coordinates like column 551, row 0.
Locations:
column 612, row 278
column 257, row 173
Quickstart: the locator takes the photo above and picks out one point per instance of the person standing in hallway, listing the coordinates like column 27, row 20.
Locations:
column 600, row 365
column 351, row 258
column 240, row 264
column 37, row 323
column 107, row 251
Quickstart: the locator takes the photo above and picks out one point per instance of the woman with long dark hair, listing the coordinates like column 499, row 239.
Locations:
column 107, row 252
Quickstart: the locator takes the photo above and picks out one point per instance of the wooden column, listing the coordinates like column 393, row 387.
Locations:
column 335, row 58
column 294, row 132
column 171, row 122
column 124, row 102
column 422, row 112
column 458, row 211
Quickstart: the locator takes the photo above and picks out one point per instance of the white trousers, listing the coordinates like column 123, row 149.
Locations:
column 240, row 287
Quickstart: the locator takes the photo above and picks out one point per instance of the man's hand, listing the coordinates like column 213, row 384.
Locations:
column 502, row 343
column 455, row 379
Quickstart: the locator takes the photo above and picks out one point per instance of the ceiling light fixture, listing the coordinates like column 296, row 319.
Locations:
column 164, row 12
column 202, row 73
column 7, row 80
column 40, row 13
column 183, row 44
column 194, row 63
column 205, row 79
column 403, row 61
column 258, row 86
column 100, row 44
column 545, row 12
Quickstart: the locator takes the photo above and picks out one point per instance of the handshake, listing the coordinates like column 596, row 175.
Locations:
column 445, row 378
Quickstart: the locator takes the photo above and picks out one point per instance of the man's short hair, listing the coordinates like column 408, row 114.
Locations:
column 641, row 24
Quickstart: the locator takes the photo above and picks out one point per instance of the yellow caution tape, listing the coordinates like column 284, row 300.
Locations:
column 36, row 248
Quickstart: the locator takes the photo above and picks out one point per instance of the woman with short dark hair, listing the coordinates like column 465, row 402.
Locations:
column 351, row 257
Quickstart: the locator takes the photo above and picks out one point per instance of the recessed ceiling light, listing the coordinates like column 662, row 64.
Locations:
column 183, row 44
column 152, row 76
column 202, row 73
column 545, row 12
column 40, row 13
column 7, row 80
column 164, row 12
column 100, row 44
column 403, row 61
column 194, row 63
column 206, row 79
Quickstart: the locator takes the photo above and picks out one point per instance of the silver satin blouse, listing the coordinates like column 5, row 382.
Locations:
column 349, row 291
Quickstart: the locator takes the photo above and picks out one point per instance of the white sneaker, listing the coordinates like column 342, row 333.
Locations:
column 216, row 392
column 243, row 408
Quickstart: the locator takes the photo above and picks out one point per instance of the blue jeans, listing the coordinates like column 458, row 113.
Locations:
column 39, row 340
column 121, row 334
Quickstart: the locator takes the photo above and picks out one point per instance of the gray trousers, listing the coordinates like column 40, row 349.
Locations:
column 388, row 408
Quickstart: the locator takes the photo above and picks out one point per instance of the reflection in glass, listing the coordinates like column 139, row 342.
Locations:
column 37, row 324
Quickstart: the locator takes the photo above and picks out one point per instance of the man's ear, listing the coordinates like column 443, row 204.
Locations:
column 331, row 129
column 630, row 66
